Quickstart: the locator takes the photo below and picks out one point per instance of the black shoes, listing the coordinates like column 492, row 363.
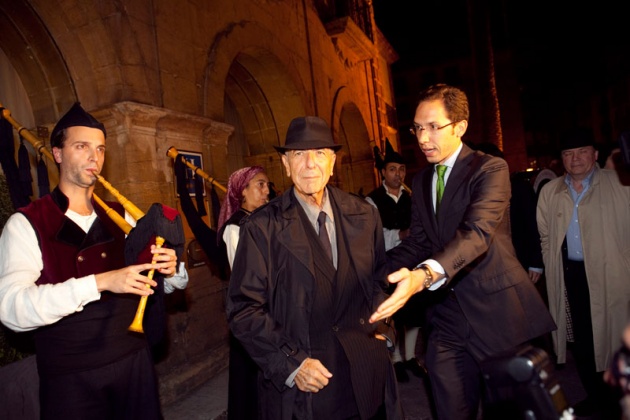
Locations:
column 603, row 407
column 412, row 365
column 416, row 367
column 401, row 372
column 586, row 408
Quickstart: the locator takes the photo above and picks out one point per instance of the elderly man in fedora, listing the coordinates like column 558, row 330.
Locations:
column 309, row 270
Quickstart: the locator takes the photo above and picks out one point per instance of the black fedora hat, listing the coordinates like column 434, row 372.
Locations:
column 577, row 137
column 307, row 133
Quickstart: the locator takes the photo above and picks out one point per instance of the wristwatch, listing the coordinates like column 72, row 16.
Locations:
column 428, row 278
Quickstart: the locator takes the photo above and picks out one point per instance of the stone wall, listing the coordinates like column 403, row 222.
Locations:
column 221, row 78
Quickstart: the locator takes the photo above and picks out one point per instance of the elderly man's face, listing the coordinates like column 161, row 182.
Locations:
column 580, row 161
column 310, row 170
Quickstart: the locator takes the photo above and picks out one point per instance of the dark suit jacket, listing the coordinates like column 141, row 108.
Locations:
column 471, row 239
column 271, row 292
column 524, row 229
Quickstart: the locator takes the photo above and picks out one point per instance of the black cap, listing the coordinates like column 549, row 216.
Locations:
column 576, row 138
column 378, row 159
column 75, row 117
column 391, row 156
column 307, row 133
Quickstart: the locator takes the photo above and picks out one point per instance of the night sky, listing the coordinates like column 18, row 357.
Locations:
column 423, row 32
column 562, row 49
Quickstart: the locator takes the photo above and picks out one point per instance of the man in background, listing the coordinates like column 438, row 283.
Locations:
column 584, row 224
column 394, row 206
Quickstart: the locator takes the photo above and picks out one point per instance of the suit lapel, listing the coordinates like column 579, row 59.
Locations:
column 427, row 201
column 457, row 177
column 293, row 234
column 349, row 223
column 343, row 256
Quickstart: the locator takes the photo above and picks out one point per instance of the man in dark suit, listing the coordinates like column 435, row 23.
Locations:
column 309, row 270
column 525, row 237
column 483, row 302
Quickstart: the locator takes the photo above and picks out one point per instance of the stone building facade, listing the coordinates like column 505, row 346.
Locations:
column 220, row 78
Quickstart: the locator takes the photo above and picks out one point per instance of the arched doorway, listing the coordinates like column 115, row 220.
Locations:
column 357, row 162
column 260, row 102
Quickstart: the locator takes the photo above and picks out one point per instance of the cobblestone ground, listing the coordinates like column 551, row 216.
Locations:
column 209, row 402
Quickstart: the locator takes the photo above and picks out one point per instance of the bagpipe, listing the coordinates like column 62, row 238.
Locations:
column 173, row 154
column 160, row 225
column 206, row 236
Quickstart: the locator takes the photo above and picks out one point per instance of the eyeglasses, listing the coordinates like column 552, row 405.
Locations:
column 417, row 130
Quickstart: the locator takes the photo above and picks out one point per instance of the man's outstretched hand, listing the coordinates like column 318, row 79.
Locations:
column 408, row 283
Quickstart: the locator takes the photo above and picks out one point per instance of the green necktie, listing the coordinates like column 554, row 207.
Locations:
column 441, row 169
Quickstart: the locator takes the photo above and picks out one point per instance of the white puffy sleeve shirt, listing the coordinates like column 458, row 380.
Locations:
column 24, row 305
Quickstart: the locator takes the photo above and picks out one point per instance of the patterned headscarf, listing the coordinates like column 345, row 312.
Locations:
column 236, row 184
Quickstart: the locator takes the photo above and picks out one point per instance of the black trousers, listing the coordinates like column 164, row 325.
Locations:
column 123, row 390
column 454, row 353
column 242, row 383
column 601, row 395
column 583, row 348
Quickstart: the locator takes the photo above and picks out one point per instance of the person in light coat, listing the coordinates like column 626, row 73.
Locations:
column 589, row 259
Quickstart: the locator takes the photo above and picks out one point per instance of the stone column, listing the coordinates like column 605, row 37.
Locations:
column 138, row 137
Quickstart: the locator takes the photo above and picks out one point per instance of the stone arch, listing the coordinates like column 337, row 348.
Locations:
column 355, row 161
column 263, row 92
column 260, row 100
column 75, row 51
column 42, row 71
column 228, row 47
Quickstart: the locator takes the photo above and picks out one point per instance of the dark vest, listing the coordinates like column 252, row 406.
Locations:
column 97, row 335
column 393, row 215
column 235, row 219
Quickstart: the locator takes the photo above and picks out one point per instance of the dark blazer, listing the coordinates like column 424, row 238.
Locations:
column 271, row 292
column 471, row 239
column 523, row 224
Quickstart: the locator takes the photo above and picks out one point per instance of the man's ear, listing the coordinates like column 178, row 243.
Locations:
column 285, row 162
column 57, row 154
column 460, row 128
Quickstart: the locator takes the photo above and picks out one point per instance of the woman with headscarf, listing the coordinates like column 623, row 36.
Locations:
column 248, row 189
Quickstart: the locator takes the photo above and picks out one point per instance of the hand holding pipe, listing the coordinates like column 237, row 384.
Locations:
column 136, row 325
column 137, row 214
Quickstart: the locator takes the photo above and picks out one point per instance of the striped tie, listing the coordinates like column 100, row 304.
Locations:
column 323, row 234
